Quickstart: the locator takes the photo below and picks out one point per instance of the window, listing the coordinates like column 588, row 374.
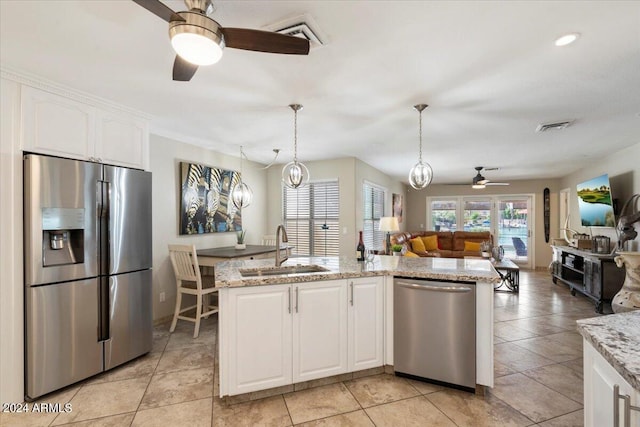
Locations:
column 477, row 215
column 373, row 209
column 311, row 216
column 444, row 215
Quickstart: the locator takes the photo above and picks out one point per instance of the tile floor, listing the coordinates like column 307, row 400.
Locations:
column 538, row 370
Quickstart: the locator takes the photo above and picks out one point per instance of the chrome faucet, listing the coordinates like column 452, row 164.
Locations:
column 279, row 258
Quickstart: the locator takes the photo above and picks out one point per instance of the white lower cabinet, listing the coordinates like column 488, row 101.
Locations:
column 365, row 323
column 319, row 330
column 275, row 335
column 600, row 379
column 259, row 325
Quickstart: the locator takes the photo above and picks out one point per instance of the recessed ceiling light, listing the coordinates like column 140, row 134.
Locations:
column 567, row 39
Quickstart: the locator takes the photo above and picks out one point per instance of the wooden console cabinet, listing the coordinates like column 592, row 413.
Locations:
column 593, row 275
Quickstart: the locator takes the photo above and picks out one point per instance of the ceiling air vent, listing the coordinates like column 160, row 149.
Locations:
column 543, row 127
column 303, row 26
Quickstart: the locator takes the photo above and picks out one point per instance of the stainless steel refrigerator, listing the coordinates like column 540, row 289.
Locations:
column 87, row 248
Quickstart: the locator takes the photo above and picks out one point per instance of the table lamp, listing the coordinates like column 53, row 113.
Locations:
column 389, row 224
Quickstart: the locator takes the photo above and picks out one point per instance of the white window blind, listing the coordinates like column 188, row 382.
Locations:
column 373, row 210
column 312, row 218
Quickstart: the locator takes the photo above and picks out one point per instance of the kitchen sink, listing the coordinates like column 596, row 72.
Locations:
column 283, row 270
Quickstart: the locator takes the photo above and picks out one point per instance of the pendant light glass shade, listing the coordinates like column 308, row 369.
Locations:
column 295, row 174
column 421, row 174
column 241, row 194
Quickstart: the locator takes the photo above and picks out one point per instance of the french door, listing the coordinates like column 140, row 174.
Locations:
column 513, row 228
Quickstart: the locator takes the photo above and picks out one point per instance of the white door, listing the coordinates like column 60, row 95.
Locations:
column 365, row 326
column 259, row 341
column 319, row 329
column 515, row 217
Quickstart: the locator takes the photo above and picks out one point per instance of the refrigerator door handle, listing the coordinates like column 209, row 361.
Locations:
column 104, row 201
column 104, row 301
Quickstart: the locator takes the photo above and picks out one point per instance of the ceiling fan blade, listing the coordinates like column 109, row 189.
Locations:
column 264, row 41
column 160, row 9
column 183, row 70
column 496, row 183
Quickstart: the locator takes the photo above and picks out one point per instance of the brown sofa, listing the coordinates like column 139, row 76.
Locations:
column 450, row 244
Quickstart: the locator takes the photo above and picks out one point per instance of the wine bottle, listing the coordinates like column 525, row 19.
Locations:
column 360, row 248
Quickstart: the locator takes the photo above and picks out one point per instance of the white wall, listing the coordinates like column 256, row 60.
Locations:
column 350, row 173
column 11, row 280
column 165, row 157
column 623, row 168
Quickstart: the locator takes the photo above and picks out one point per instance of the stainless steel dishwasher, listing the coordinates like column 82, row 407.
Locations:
column 434, row 328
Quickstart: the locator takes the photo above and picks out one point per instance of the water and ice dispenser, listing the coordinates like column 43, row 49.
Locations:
column 62, row 236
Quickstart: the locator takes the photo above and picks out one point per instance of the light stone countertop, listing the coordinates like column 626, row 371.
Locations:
column 617, row 338
column 470, row 270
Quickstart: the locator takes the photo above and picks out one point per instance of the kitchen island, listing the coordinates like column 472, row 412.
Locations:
column 279, row 329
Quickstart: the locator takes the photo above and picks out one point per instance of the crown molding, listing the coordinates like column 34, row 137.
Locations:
column 38, row 82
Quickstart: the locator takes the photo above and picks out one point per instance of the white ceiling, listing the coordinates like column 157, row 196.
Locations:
column 489, row 71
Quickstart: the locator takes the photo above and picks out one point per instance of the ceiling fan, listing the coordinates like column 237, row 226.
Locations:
column 480, row 181
column 199, row 40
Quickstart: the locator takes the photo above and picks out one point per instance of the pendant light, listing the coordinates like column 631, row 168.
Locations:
column 241, row 195
column 421, row 174
column 295, row 174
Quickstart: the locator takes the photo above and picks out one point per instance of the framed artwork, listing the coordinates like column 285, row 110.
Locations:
column 205, row 195
column 396, row 200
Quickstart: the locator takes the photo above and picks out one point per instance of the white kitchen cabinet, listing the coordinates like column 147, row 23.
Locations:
column 66, row 127
column 599, row 381
column 365, row 323
column 122, row 140
column 259, row 324
column 319, row 330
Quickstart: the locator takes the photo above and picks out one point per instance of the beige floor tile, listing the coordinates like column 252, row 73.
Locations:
column 101, row 400
column 320, row 402
column 265, row 412
column 179, row 386
column 517, row 358
column 566, row 337
column 123, row 420
column 536, row 325
column 352, row 419
column 500, row 370
column 141, row 367
column 181, row 339
column 370, row 391
column 322, row 381
column 417, row 411
column 561, row 379
column 576, row 364
column 467, row 409
column 36, row 419
column 196, row 357
column 574, row 419
column 424, row 387
column 508, row 332
column 196, row 413
column 532, row 399
column 551, row 349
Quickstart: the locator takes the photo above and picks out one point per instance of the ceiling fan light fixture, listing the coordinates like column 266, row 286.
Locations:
column 295, row 174
column 566, row 39
column 421, row 174
column 198, row 39
column 478, row 186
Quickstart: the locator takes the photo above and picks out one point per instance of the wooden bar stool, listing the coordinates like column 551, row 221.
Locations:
column 189, row 281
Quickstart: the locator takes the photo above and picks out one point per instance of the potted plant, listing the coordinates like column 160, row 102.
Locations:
column 396, row 249
column 240, row 239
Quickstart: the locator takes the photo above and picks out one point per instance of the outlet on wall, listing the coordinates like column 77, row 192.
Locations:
column 163, row 297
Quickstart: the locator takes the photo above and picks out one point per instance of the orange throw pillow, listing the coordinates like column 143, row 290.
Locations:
column 411, row 254
column 471, row 246
column 417, row 245
column 430, row 242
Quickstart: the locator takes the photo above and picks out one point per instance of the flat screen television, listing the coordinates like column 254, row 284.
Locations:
column 595, row 203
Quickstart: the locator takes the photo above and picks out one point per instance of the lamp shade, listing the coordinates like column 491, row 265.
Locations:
column 389, row 223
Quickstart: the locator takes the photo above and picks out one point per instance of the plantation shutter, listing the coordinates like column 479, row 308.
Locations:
column 312, row 218
column 373, row 210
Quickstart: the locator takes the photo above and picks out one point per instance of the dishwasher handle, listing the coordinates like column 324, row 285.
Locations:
column 458, row 289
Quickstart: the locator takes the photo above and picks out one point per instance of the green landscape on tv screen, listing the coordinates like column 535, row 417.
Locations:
column 594, row 202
